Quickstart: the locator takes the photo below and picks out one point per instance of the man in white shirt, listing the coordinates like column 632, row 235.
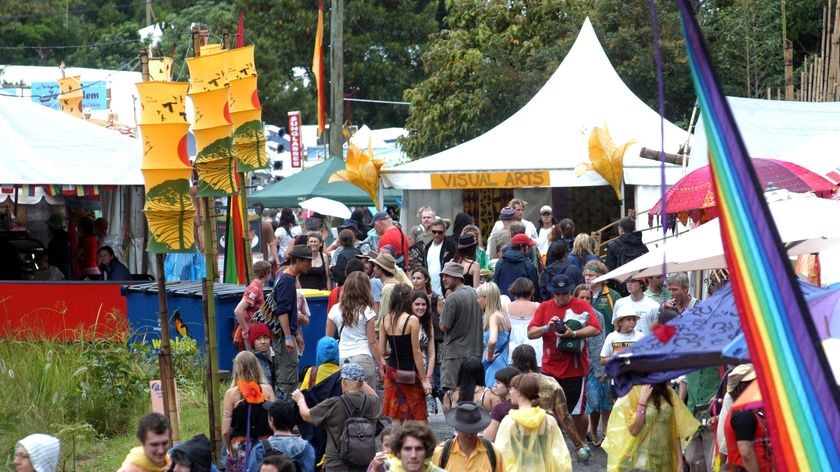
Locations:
column 518, row 206
column 645, row 308
column 438, row 252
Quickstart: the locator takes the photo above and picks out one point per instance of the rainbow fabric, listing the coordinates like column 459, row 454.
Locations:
column 800, row 394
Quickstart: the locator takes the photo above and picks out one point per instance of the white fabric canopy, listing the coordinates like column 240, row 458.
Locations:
column 551, row 132
column 802, row 227
column 45, row 146
column 805, row 133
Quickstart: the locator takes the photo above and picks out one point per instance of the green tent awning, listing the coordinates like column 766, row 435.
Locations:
column 312, row 182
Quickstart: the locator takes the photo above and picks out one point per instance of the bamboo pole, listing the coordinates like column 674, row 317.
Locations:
column 788, row 55
column 208, row 294
column 167, row 374
column 834, row 61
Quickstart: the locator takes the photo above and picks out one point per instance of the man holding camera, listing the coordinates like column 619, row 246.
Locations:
column 564, row 323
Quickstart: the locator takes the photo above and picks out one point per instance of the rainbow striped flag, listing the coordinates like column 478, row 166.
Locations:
column 800, row 394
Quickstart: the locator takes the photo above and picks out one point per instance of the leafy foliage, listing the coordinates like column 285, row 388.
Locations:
column 249, row 146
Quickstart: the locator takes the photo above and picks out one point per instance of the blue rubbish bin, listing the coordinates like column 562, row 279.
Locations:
column 317, row 302
column 186, row 316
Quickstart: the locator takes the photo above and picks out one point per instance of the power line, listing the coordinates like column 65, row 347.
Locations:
column 74, row 46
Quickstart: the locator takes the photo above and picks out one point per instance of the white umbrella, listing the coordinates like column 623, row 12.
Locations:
column 326, row 206
column 803, row 226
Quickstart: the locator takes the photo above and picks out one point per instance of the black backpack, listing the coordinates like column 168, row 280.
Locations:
column 358, row 442
column 268, row 450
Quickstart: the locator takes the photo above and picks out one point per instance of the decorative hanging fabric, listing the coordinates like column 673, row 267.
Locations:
column 209, row 91
column 166, row 167
column 245, row 110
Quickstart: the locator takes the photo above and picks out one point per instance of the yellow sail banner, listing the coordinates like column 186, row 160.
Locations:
column 70, row 99
column 166, row 167
column 246, row 111
column 210, row 93
column 160, row 68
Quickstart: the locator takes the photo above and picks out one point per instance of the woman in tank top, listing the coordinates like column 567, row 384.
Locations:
column 405, row 398
column 318, row 276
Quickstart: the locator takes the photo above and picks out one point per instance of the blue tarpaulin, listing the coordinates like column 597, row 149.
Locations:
column 702, row 335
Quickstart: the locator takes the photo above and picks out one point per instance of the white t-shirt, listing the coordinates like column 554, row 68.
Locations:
column 353, row 340
column 433, row 263
column 646, row 309
column 617, row 342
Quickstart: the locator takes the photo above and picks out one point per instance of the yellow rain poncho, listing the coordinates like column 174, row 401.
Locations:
column 654, row 447
column 530, row 440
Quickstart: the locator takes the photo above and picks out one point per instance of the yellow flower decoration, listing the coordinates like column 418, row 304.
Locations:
column 606, row 159
column 361, row 170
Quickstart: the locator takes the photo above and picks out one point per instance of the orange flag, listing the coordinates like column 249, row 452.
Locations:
column 318, row 69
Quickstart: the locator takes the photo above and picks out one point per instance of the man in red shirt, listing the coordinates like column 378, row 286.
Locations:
column 747, row 437
column 564, row 323
column 390, row 234
column 252, row 300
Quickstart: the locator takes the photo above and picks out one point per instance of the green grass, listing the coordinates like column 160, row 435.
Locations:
column 91, row 395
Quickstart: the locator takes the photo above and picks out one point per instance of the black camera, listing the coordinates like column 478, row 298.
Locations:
column 560, row 327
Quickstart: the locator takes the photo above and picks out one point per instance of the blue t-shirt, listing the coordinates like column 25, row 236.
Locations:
column 285, row 297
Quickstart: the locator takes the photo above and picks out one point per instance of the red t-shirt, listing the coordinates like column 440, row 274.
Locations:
column 556, row 363
column 397, row 238
column 254, row 296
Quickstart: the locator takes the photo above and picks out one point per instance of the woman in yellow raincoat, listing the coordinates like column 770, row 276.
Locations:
column 529, row 439
column 648, row 429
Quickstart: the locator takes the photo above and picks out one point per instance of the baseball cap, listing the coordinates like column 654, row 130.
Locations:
column 560, row 284
column 520, row 239
column 382, row 215
column 545, row 209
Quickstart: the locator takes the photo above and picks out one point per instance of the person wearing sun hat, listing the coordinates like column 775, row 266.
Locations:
column 467, row 452
column 37, row 453
column 461, row 323
column 332, row 412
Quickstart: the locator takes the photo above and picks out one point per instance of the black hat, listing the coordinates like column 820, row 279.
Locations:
column 561, row 283
column 301, row 251
column 468, row 417
column 196, row 452
column 466, row 240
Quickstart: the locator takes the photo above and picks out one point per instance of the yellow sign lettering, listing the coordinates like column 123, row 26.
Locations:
column 503, row 179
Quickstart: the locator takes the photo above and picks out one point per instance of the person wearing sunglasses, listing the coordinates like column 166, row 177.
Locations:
column 438, row 252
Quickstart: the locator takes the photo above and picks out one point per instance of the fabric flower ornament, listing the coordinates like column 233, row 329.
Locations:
column 251, row 391
column 606, row 159
column 361, row 170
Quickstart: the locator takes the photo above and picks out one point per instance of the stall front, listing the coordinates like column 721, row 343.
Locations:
column 543, row 144
column 58, row 157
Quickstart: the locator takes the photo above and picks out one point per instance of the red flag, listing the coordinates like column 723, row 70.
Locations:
column 235, row 270
column 318, row 69
column 240, row 31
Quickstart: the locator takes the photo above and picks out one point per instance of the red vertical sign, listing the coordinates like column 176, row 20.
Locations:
column 295, row 143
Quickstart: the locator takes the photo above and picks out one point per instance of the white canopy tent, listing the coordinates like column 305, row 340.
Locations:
column 805, row 133
column 42, row 146
column 551, row 132
column 45, row 146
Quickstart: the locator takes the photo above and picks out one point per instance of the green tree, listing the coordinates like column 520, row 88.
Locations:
column 745, row 40
column 489, row 62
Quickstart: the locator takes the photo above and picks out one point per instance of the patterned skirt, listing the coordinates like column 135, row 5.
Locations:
column 403, row 401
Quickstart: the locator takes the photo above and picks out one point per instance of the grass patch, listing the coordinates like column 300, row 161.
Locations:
column 91, row 395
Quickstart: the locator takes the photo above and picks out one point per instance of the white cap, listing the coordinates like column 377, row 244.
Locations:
column 545, row 209
column 43, row 451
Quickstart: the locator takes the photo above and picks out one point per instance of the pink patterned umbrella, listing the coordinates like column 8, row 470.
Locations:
column 693, row 196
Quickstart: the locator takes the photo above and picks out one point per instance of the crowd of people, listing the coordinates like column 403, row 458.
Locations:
column 509, row 342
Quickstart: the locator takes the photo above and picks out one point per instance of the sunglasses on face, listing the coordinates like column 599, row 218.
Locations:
column 437, row 231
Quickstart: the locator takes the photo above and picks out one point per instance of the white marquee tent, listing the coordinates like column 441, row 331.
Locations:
column 45, row 146
column 551, row 132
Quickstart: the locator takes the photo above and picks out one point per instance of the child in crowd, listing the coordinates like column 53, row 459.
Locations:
column 384, row 456
column 260, row 339
column 625, row 333
column 502, row 390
